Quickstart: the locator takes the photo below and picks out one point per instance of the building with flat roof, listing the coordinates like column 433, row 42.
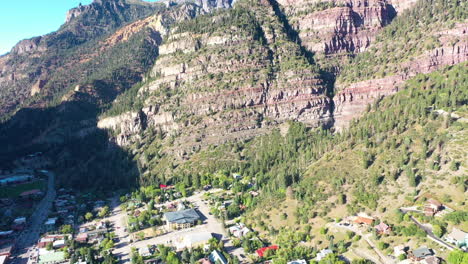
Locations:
column 323, row 253
column 457, row 237
column 52, row 258
column 181, row 219
column 193, row 240
column 216, row 257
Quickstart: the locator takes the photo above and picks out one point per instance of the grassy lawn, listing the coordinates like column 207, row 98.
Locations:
column 15, row 191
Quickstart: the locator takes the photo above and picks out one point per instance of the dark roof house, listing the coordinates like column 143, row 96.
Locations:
column 182, row 217
column 421, row 253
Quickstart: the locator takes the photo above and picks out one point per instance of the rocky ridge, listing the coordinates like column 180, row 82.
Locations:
column 344, row 26
column 238, row 77
column 352, row 98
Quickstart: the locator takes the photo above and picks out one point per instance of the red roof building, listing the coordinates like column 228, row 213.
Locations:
column 165, row 187
column 260, row 252
column 364, row 220
column 383, row 228
column 82, row 237
column 432, row 207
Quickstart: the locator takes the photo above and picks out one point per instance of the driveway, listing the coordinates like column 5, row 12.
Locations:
column 431, row 235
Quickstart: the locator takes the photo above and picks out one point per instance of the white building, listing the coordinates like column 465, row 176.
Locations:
column 323, row 253
column 193, row 240
column 239, row 230
column 299, row 261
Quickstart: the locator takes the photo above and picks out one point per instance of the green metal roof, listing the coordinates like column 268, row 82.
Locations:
column 182, row 217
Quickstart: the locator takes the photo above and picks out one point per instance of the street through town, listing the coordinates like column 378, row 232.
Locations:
column 30, row 234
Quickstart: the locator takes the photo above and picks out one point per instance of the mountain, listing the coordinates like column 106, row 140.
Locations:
column 54, row 86
column 161, row 92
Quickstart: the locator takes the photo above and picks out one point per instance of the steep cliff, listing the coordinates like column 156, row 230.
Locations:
column 39, row 69
column 53, row 87
column 344, row 26
column 227, row 81
column 404, row 49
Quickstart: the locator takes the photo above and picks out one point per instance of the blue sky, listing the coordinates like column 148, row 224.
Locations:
column 22, row 19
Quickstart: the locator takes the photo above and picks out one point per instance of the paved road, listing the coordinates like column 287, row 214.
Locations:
column 431, row 235
column 30, row 235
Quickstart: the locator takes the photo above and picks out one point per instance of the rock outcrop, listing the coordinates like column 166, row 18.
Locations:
column 32, row 68
column 353, row 98
column 230, row 83
column 206, row 5
column 341, row 26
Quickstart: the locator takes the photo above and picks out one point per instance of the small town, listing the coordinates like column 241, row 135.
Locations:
column 173, row 224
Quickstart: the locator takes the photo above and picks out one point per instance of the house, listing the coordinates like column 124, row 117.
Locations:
column 50, row 224
column 181, row 206
column 261, row 251
column 101, row 225
column 299, row 261
column 420, row 254
column 430, row 260
column 363, row 220
column 457, row 237
column 59, row 244
column 218, row 258
column 399, row 250
column 193, row 240
column 181, row 219
column 43, row 242
column 82, row 238
column 254, row 193
column 323, row 253
column 144, row 251
column 432, row 207
column 383, row 228
column 239, row 230
column 19, row 224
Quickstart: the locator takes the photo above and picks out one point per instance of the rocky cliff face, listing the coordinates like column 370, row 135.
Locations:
column 42, row 66
column 223, row 82
column 229, row 83
column 206, row 5
column 341, row 26
column 353, row 98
